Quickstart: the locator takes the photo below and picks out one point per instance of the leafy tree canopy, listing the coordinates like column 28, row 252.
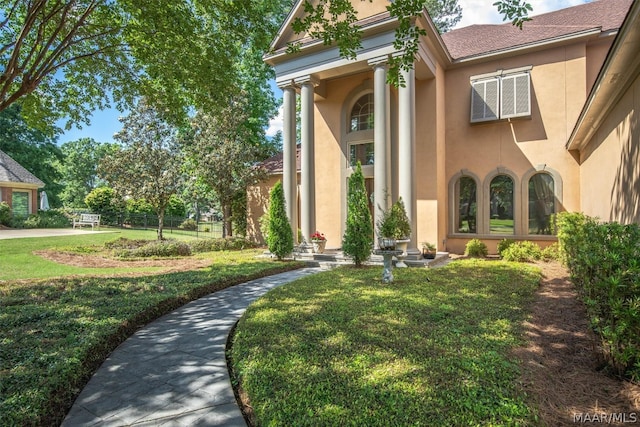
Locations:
column 67, row 58
column 33, row 149
column 79, row 169
column 149, row 165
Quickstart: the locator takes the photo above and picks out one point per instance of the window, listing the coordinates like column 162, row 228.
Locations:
column 361, row 117
column 500, row 96
column 466, row 222
column 361, row 152
column 541, row 203
column 20, row 204
column 501, row 205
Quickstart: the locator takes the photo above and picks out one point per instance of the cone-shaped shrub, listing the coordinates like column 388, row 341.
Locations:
column 280, row 236
column 357, row 241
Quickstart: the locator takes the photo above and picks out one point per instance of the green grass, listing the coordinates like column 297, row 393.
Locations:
column 341, row 348
column 17, row 260
column 55, row 332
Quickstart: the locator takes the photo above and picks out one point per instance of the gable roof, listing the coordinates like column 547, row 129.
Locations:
column 476, row 40
column 13, row 172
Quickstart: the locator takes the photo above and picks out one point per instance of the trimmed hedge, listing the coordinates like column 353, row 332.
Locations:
column 604, row 263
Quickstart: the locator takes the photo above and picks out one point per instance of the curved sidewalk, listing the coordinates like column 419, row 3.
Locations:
column 173, row 372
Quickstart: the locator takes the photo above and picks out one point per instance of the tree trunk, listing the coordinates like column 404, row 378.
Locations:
column 227, row 225
column 160, row 224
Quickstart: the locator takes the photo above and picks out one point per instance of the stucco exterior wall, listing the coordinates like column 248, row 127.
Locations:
column 518, row 146
column 610, row 170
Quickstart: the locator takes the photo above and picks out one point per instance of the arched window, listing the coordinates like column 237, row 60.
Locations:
column 467, row 205
column 501, row 205
column 541, row 203
column 361, row 117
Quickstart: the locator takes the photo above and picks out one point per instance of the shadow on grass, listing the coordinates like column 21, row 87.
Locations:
column 56, row 333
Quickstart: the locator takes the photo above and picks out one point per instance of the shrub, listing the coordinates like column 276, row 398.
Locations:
column 604, row 262
column 222, row 244
column 5, row 213
column 524, row 251
column 280, row 235
column 357, row 241
column 164, row 248
column 105, row 201
column 189, row 224
column 504, row 244
column 551, row 253
column 124, row 243
column 54, row 218
column 476, row 248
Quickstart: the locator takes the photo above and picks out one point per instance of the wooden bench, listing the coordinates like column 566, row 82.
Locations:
column 87, row 219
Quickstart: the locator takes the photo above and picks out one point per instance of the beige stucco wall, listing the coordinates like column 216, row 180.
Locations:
column 559, row 89
column 610, row 164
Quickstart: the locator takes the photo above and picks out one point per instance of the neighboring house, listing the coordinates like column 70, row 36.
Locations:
column 18, row 187
column 495, row 130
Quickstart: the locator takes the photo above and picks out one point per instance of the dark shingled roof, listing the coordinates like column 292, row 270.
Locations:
column 273, row 165
column 605, row 15
column 12, row 171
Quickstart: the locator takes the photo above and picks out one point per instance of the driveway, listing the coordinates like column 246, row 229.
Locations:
column 6, row 233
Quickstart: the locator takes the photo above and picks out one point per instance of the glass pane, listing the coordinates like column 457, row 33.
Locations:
column 20, row 204
column 362, row 114
column 541, row 203
column 467, row 205
column 362, row 153
column 501, row 206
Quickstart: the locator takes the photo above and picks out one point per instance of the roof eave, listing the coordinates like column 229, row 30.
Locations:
column 613, row 79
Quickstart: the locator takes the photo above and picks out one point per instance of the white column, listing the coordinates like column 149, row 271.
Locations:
column 289, row 169
column 307, row 172
column 406, row 151
column 381, row 141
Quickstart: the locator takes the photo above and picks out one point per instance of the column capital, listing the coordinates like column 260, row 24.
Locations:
column 286, row 84
column 307, row 80
column 380, row 61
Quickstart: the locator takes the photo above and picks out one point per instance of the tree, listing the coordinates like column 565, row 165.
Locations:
column 69, row 57
column 357, row 241
column 224, row 148
column 149, row 166
column 33, row 149
column 79, row 169
column 279, row 236
column 332, row 21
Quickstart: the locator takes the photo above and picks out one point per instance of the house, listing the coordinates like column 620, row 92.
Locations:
column 18, row 187
column 495, row 130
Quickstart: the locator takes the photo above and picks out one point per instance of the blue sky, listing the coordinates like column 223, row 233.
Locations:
column 105, row 123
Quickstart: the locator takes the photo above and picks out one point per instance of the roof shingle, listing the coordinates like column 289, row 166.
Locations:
column 474, row 40
column 12, row 171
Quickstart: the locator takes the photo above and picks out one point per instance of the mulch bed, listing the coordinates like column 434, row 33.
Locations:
column 563, row 373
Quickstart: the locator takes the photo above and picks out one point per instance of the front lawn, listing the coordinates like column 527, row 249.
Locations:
column 55, row 332
column 432, row 348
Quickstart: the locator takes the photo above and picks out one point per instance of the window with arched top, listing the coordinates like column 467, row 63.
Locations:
column 541, row 203
column 501, row 205
column 361, row 117
column 467, row 205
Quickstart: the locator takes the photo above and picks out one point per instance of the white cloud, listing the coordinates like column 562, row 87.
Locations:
column 276, row 123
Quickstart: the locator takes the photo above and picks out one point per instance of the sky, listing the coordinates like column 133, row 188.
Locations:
column 105, row 123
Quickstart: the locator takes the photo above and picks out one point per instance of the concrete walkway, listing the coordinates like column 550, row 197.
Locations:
column 17, row 233
column 173, row 372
